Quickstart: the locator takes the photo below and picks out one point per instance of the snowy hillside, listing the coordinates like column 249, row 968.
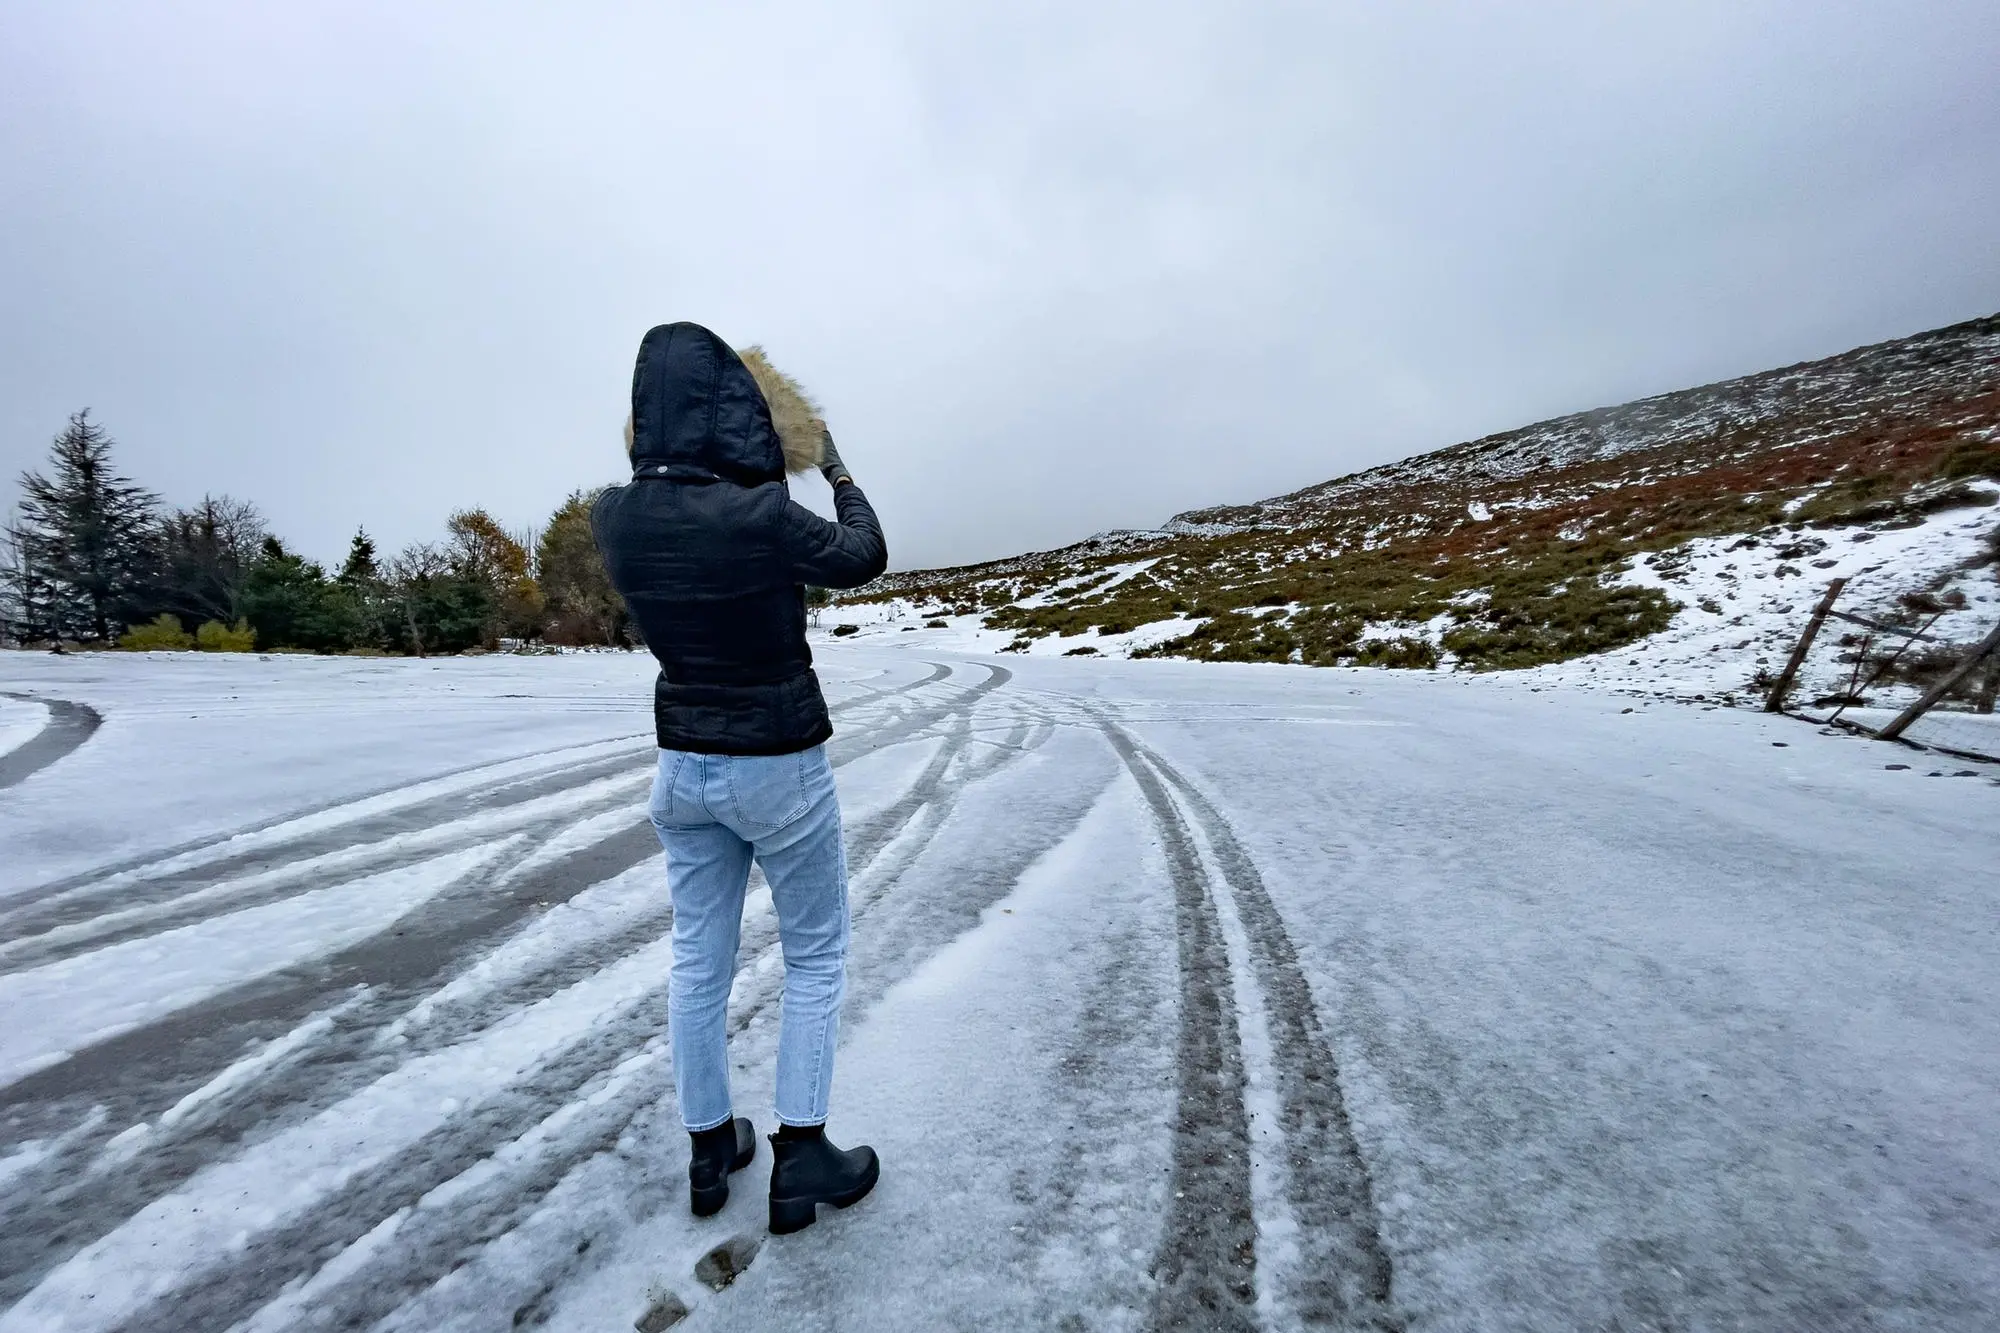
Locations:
column 1673, row 544
column 1840, row 395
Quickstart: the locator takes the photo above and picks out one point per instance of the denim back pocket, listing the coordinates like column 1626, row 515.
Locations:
column 672, row 803
column 767, row 792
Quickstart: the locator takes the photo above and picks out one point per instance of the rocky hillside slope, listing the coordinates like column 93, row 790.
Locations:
column 1698, row 519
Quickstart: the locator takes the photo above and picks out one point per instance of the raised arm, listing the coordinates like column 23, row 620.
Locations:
column 843, row 554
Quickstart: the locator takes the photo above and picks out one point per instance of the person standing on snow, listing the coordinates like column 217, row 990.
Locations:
column 710, row 552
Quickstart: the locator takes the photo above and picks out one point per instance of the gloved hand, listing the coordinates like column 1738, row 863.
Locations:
column 830, row 465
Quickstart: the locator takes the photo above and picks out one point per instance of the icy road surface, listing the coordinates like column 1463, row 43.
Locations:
column 332, row 995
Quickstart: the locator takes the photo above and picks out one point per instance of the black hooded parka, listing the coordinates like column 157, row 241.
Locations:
column 710, row 552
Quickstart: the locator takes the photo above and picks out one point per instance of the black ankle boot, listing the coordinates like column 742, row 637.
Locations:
column 807, row 1171
column 728, row 1147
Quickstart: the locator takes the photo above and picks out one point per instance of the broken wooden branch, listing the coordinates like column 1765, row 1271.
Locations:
column 1945, row 685
column 1775, row 702
column 1881, row 628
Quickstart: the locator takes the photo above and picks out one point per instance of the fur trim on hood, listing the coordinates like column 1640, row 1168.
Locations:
column 794, row 414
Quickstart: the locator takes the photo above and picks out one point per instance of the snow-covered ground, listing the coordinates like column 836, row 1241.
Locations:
column 20, row 720
column 1183, row 996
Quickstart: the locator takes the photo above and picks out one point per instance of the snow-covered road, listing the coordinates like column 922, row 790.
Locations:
column 1184, row 996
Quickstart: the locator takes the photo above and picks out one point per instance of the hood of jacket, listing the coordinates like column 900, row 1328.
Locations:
column 697, row 404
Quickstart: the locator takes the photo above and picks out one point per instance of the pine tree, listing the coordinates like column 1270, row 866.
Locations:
column 360, row 568
column 290, row 603
column 364, row 588
column 87, row 534
column 363, row 591
column 26, row 611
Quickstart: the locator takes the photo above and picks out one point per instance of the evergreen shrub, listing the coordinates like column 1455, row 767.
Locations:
column 216, row 637
column 162, row 633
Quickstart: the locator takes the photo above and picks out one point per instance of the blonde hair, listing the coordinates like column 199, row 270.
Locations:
column 793, row 412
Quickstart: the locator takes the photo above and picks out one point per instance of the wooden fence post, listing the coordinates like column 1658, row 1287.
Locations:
column 1775, row 702
column 1942, row 688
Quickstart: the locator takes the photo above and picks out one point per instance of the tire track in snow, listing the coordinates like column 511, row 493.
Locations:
column 845, row 749
column 69, row 726
column 125, row 870
column 537, row 818
column 82, row 901
column 315, row 1084
column 57, row 922
column 1341, row 1276
column 74, row 1208
column 65, row 901
column 576, row 1098
column 1206, row 1264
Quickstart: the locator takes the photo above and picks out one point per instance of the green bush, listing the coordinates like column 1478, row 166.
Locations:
column 1327, row 636
column 1525, row 628
column 1851, row 502
column 162, row 633
column 1411, row 653
column 216, row 637
column 1971, row 458
column 1231, row 637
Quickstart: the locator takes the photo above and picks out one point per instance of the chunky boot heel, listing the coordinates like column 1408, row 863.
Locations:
column 717, row 1152
column 789, row 1215
column 807, row 1171
column 707, row 1200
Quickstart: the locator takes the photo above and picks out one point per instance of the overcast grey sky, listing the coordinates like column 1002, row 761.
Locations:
column 1052, row 268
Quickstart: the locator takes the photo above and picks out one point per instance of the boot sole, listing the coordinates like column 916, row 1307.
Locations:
column 789, row 1215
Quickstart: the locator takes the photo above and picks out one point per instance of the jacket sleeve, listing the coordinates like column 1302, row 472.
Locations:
column 845, row 554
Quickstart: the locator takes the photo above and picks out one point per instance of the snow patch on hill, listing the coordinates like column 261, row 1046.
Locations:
column 1744, row 602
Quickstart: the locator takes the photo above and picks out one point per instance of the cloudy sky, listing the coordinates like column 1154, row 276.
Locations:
column 1052, row 268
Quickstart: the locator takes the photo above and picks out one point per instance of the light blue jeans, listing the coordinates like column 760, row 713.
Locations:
column 713, row 813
